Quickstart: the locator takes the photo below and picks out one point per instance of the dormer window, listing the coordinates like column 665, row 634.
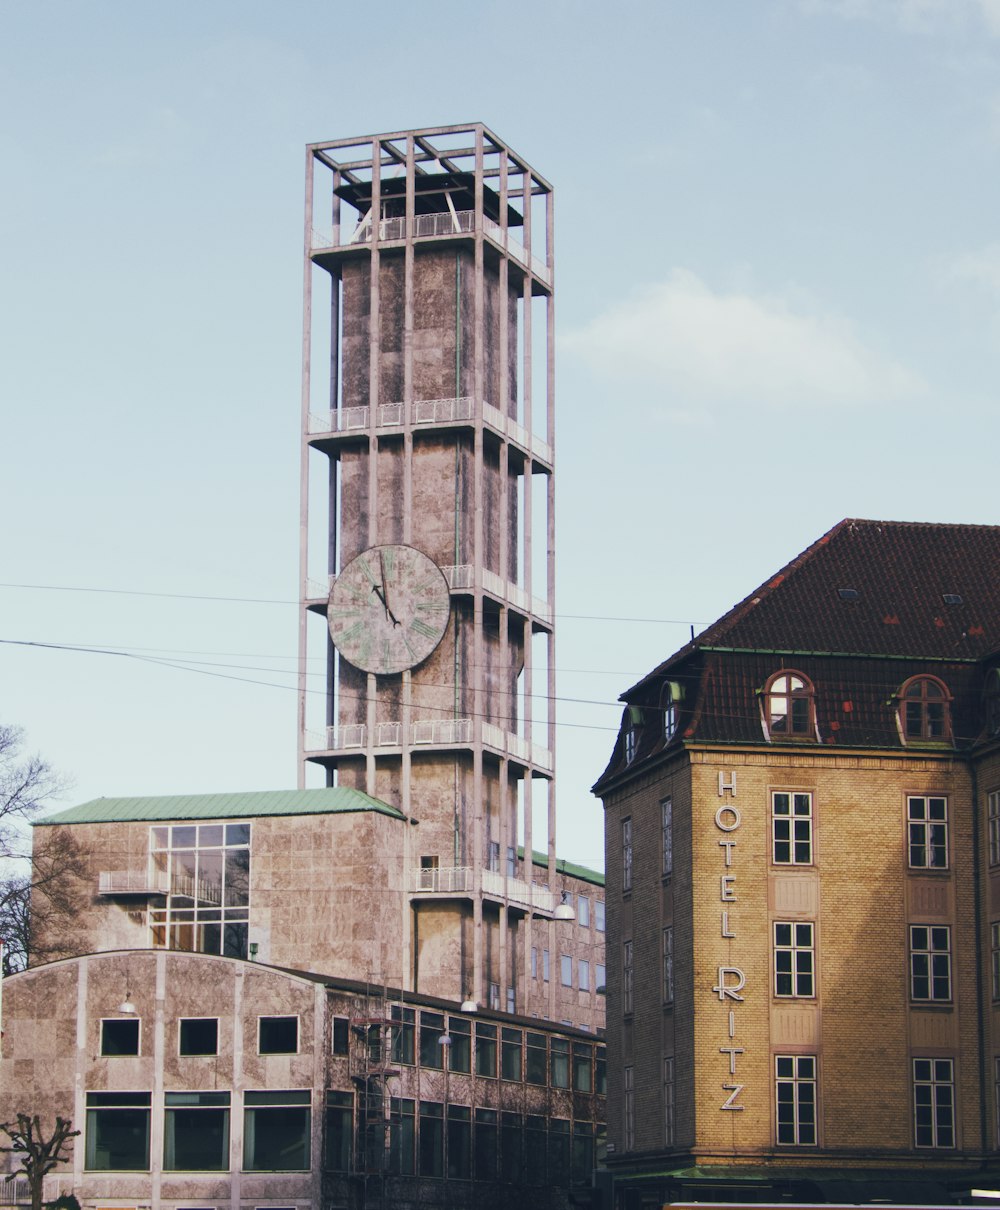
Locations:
column 670, row 698
column 924, row 711
column 789, row 707
column 630, row 739
column 632, row 723
column 991, row 701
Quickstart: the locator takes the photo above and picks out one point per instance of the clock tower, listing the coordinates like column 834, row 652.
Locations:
column 427, row 553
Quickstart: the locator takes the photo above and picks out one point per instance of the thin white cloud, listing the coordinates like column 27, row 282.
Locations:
column 682, row 343
column 914, row 16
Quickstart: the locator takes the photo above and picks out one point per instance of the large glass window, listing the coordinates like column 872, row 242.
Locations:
column 403, row 1044
column 927, row 824
column 120, row 1036
column 511, row 1147
column 583, row 1053
column 460, row 1054
column 930, row 962
column 460, row 1142
column 791, row 827
column 795, row 1096
column 934, row 1103
column 276, row 1131
column 486, row 1144
column 510, row 1054
column 924, row 710
column 339, row 1130
column 402, row 1136
column 486, row 1049
column 207, row 868
column 536, row 1059
column 431, row 1033
column 581, row 1170
column 117, row 1131
column 431, row 1139
column 196, row 1132
column 559, row 1062
column 278, row 1035
column 559, row 1152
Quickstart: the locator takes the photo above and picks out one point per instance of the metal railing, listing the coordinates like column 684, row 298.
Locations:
column 132, row 882
column 441, row 880
column 432, row 732
column 458, row 880
column 15, row 1191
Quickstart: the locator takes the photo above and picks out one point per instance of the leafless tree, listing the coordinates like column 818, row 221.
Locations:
column 36, row 1154
column 53, row 866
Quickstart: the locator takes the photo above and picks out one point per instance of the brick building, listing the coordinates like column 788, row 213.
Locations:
column 803, row 879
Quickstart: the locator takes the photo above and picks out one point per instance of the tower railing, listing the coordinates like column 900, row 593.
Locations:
column 353, row 737
column 460, row 880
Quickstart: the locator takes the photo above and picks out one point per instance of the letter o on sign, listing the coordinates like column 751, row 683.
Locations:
column 728, row 818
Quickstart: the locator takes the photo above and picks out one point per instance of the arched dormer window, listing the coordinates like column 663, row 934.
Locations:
column 924, row 711
column 631, row 727
column 790, row 706
column 991, row 702
column 670, row 705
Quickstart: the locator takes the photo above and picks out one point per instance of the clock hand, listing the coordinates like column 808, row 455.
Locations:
column 380, row 593
column 384, row 594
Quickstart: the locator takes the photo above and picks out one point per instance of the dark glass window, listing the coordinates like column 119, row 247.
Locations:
column 559, row 1062
column 402, row 1136
column 431, row 1139
column 120, row 1036
column 196, row 1132
column 279, row 1036
column 431, row 1033
column 559, row 1150
column 276, row 1131
column 534, row 1150
column 536, row 1059
column 117, row 1131
column 924, row 712
column 486, row 1049
column 582, row 1058
column 582, row 1163
column 486, row 1144
column 403, row 1045
column 790, row 699
column 511, row 1148
column 341, row 1039
column 460, row 1057
column 460, row 1142
column 339, row 1130
column 198, row 1036
column 510, row 1054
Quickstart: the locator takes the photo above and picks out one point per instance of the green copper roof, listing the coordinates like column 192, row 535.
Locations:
column 334, row 800
column 564, row 867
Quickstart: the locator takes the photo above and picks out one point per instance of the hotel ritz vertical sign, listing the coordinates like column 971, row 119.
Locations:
column 731, row 979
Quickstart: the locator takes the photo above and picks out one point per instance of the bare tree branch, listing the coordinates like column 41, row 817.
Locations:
column 37, row 1154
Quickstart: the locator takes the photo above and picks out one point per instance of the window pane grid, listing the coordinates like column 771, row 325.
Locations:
column 934, row 1103
column 927, row 820
column 930, row 962
column 794, row 959
column 795, row 1099
column 791, row 821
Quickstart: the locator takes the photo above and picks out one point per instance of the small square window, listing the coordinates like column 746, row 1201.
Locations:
column 279, row 1036
column 199, row 1035
column 120, row 1036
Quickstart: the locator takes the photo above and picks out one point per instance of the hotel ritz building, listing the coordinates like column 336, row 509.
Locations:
column 803, row 882
column 383, row 988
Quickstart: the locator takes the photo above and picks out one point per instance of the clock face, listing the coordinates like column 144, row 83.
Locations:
column 389, row 609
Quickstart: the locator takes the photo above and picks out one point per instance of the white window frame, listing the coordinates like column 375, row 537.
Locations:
column 667, row 958
column 583, row 911
column 796, row 809
column 930, row 961
column 926, row 835
column 566, row 970
column 794, row 959
column 600, row 918
column 796, row 1074
column 934, row 1090
column 667, row 830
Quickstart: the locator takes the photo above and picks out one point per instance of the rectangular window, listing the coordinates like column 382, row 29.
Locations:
column 627, row 976
column 207, row 867
column 583, row 1055
column 667, row 957
column 582, row 1162
column 511, row 1005
column 534, row 962
column 933, row 1103
column 536, row 1059
column 794, row 959
column 791, row 823
column 511, row 862
column 930, row 962
column 198, row 1036
column 511, row 1148
column 196, row 1131
column 599, row 918
column 493, row 996
column 485, row 1144
column 402, row 1136
column 340, row 1036
column 460, row 1142
column 995, row 958
column 600, row 978
column 278, row 1035
column 339, row 1130
column 927, row 824
column 559, row 1152
column 460, row 1051
column 583, row 911
column 626, row 855
column 566, row 970
column 493, row 856
column 668, row 1100
column 431, row 1033
column 628, row 1103
column 486, row 1049
column 795, row 1099
column 510, row 1054
column 276, row 1128
column 402, row 1032
column 559, row 1062
column 545, row 966
column 431, row 1139
column 993, row 815
column 601, row 1071
column 117, row 1131
column 583, row 975
column 120, row 1036
column 667, row 829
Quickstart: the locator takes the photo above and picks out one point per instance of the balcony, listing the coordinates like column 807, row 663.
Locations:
column 428, row 413
column 132, row 882
column 451, row 881
column 427, row 226
column 434, row 733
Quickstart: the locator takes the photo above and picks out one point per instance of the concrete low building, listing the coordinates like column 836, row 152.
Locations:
column 201, row 1080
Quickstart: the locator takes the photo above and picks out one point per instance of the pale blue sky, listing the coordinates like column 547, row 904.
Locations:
column 778, row 304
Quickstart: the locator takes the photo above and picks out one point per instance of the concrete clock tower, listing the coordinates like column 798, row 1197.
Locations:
column 427, row 550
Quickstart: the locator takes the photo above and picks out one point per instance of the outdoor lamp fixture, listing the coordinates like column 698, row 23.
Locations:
column 444, row 1040
column 565, row 909
column 469, row 1006
column 126, row 1005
